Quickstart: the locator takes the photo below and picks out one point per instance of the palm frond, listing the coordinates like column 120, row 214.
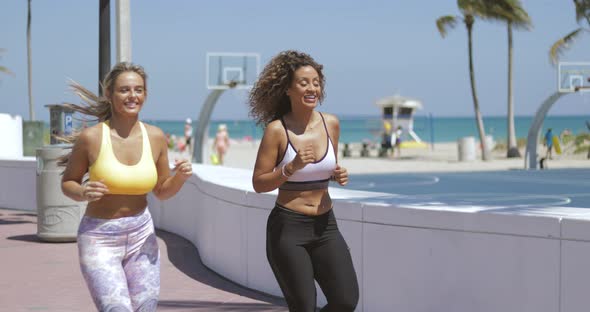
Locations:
column 582, row 10
column 445, row 23
column 563, row 44
column 502, row 11
column 516, row 14
column 5, row 70
column 470, row 7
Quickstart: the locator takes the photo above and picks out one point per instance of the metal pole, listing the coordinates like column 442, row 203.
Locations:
column 201, row 133
column 104, row 41
column 530, row 155
column 123, row 24
column 30, row 65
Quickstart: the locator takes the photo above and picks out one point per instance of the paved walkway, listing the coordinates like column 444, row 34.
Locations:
column 39, row 276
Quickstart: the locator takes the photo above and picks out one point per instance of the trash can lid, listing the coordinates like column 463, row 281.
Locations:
column 53, row 151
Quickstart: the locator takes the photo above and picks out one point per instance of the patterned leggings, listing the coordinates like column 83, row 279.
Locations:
column 120, row 261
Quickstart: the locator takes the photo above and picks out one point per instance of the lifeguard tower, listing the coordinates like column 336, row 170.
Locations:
column 398, row 111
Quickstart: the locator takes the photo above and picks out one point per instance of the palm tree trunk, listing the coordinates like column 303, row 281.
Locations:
column 512, row 146
column 29, row 65
column 478, row 118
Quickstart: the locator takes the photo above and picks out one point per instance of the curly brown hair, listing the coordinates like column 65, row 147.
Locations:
column 268, row 99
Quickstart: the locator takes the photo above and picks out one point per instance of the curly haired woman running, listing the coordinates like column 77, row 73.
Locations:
column 297, row 155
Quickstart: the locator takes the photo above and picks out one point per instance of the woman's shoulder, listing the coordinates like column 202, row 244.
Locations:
column 89, row 136
column 153, row 131
column 92, row 132
column 274, row 126
column 274, row 129
column 331, row 119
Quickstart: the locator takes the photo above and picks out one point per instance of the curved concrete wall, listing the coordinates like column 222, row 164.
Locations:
column 407, row 258
column 18, row 187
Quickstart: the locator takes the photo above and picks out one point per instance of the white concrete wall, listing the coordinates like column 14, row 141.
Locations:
column 11, row 139
column 407, row 258
column 18, row 187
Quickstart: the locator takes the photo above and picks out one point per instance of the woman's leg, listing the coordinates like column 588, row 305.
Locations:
column 220, row 153
column 101, row 254
column 334, row 269
column 142, row 268
column 290, row 261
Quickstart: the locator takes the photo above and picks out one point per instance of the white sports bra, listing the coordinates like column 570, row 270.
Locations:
column 313, row 176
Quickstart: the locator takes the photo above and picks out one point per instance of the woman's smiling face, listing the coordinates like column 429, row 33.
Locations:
column 305, row 88
column 128, row 94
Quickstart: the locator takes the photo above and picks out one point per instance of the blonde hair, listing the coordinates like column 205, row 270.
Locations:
column 98, row 108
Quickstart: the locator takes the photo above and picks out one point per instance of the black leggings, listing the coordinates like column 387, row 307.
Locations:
column 301, row 248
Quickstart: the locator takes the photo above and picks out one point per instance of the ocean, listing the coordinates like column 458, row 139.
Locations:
column 429, row 129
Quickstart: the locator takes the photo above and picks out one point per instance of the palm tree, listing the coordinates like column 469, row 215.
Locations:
column 582, row 14
column 470, row 9
column 515, row 17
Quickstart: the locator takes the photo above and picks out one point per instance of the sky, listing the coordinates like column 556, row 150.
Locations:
column 370, row 49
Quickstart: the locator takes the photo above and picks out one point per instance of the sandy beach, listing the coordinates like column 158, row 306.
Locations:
column 442, row 157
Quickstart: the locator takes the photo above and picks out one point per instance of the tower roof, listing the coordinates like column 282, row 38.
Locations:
column 399, row 101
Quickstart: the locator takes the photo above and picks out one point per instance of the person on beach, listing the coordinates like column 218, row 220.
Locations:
column 125, row 159
column 188, row 135
column 221, row 143
column 386, row 139
column 548, row 142
column 398, row 142
column 298, row 155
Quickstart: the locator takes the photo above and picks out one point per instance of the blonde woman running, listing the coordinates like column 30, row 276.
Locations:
column 125, row 160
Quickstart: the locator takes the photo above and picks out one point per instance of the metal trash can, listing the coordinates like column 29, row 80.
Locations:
column 58, row 216
column 466, row 148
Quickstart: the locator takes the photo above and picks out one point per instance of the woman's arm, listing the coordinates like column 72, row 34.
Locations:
column 168, row 185
column 78, row 163
column 340, row 174
column 265, row 178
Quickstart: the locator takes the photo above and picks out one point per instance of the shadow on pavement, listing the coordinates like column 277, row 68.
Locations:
column 14, row 217
column 13, row 221
column 216, row 306
column 185, row 257
column 31, row 238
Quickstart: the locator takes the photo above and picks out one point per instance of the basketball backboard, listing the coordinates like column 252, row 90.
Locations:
column 225, row 69
column 573, row 76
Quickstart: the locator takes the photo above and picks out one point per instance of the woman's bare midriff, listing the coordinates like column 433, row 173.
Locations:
column 116, row 206
column 311, row 203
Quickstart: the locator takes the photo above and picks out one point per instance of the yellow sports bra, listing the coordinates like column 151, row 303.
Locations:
column 122, row 179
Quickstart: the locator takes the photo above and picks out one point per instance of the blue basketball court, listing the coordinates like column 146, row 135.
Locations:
column 517, row 189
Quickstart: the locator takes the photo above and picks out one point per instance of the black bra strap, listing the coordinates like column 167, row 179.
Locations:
column 324, row 122
column 285, row 127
